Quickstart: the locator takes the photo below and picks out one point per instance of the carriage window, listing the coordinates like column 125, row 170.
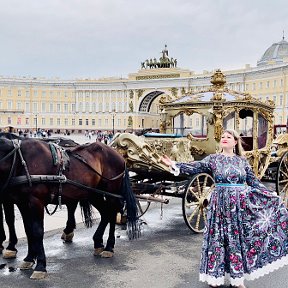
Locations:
column 229, row 121
column 246, row 128
column 194, row 124
column 262, row 131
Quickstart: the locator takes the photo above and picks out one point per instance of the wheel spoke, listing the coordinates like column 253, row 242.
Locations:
column 192, row 204
column 284, row 189
column 194, row 193
column 193, row 213
column 281, row 171
column 198, row 219
column 199, row 187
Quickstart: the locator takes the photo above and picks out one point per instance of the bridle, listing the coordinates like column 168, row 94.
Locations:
column 13, row 152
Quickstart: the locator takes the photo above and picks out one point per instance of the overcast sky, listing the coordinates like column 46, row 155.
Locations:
column 101, row 38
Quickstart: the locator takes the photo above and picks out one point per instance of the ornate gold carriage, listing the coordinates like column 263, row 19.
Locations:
column 191, row 128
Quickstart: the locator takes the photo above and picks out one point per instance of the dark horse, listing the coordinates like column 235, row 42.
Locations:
column 8, row 208
column 96, row 173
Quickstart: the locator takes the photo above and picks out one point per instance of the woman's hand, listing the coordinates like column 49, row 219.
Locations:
column 166, row 160
column 171, row 164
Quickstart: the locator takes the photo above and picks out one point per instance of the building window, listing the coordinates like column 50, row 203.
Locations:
column 27, row 107
column 93, row 122
column 281, row 100
column 73, row 122
column 58, row 107
column 80, row 122
column 58, row 121
column 18, row 120
column 66, row 121
column 275, row 83
column 87, row 122
column 9, row 93
column 19, row 105
column 119, row 123
column 43, row 121
column 267, row 84
column 10, row 105
column 26, row 121
column 274, row 99
column 43, row 107
column 65, row 108
column 19, row 93
column 260, row 85
column 87, row 107
column 51, row 121
column 51, row 107
column 99, row 122
column 9, row 120
column 73, row 107
column 35, row 107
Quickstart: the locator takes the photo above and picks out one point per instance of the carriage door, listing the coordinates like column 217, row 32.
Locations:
column 246, row 128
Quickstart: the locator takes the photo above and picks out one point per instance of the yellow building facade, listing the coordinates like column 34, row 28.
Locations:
column 133, row 103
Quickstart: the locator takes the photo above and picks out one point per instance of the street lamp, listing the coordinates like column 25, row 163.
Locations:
column 36, row 122
column 113, row 121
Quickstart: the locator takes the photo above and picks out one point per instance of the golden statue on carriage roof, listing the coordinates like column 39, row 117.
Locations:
column 213, row 110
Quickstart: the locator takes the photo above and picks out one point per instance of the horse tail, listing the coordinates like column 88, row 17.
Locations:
column 131, row 207
column 86, row 212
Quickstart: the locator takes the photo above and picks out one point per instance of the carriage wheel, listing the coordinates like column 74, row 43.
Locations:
column 143, row 206
column 196, row 200
column 282, row 178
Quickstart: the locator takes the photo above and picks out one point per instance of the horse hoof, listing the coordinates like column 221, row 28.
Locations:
column 98, row 251
column 26, row 265
column 38, row 275
column 107, row 254
column 9, row 254
column 67, row 237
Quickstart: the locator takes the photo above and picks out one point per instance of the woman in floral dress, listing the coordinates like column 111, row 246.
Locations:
column 246, row 234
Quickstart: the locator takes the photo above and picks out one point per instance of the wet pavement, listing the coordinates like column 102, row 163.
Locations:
column 166, row 256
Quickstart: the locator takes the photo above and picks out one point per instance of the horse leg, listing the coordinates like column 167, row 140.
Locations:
column 2, row 231
column 10, row 251
column 34, row 227
column 109, row 249
column 68, row 233
column 98, row 235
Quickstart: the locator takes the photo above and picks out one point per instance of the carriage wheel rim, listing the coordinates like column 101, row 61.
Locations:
column 201, row 194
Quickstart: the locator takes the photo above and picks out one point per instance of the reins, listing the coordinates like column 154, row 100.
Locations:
column 81, row 159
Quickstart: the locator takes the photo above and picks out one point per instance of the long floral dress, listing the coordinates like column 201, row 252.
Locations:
column 246, row 235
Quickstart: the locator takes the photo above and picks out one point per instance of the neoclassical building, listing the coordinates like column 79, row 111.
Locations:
column 133, row 103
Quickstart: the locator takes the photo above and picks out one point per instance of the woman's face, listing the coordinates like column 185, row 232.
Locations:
column 227, row 141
